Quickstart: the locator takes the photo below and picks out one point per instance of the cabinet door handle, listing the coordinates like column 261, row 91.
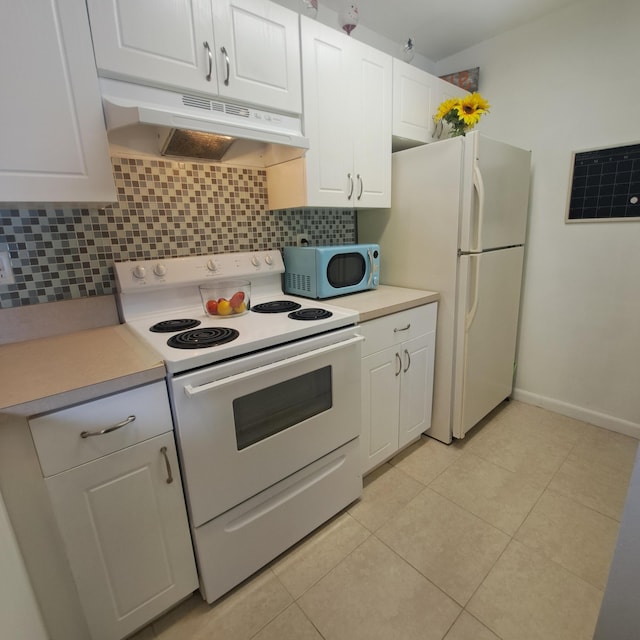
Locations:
column 350, row 177
column 205, row 44
column 163, row 451
column 396, row 330
column 399, row 361
column 228, row 66
column 361, row 183
column 114, row 427
column 406, row 353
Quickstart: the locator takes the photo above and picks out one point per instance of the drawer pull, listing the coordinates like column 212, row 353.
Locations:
column 124, row 423
column 396, row 330
column 163, row 451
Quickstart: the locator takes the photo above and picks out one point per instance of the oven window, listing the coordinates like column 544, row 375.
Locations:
column 263, row 413
column 346, row 270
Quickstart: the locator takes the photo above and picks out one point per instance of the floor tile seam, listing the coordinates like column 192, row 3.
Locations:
column 484, row 624
column 555, row 563
column 291, row 604
column 514, row 473
column 493, row 462
column 446, row 468
column 557, row 492
column 295, row 598
column 471, row 513
column 486, row 575
column 584, row 504
column 477, row 518
column 559, row 564
column 410, row 564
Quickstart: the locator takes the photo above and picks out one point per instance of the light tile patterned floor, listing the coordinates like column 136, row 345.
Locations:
column 506, row 535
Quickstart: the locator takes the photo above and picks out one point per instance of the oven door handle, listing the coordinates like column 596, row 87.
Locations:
column 193, row 391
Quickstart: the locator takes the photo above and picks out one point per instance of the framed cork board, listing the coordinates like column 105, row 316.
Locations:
column 605, row 185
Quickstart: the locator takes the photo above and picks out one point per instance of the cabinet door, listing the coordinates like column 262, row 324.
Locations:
column 156, row 42
column 416, row 389
column 380, row 396
column 371, row 87
column 54, row 145
column 125, row 530
column 260, row 63
column 416, row 98
column 328, row 115
column 414, row 103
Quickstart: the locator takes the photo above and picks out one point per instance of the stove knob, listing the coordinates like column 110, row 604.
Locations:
column 211, row 265
column 160, row 270
column 139, row 272
column 268, row 259
column 255, row 261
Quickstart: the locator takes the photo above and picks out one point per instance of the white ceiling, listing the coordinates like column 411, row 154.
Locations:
column 440, row 28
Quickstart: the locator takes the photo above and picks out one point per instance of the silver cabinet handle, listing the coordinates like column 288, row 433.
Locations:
column 163, row 451
column 399, row 361
column 351, row 183
column 205, row 44
column 396, row 330
column 226, row 60
column 406, row 353
column 361, row 186
column 124, row 423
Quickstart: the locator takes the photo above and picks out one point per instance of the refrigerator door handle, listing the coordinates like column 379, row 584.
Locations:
column 475, row 265
column 478, row 185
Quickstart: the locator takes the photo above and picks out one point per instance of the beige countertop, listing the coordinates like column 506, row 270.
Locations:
column 50, row 373
column 384, row 300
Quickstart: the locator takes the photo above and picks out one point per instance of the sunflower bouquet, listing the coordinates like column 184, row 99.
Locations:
column 462, row 113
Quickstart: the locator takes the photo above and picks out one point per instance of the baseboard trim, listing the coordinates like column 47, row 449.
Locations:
column 579, row 413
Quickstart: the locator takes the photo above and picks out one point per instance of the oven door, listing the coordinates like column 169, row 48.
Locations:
column 240, row 432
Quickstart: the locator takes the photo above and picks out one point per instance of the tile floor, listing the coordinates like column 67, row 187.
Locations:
column 506, row 535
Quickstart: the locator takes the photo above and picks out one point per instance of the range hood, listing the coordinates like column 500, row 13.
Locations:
column 185, row 125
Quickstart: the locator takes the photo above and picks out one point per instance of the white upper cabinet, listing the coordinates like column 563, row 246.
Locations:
column 347, row 116
column 159, row 42
column 246, row 50
column 416, row 98
column 54, row 145
column 258, row 53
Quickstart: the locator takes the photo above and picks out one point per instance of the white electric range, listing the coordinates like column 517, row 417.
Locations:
column 267, row 417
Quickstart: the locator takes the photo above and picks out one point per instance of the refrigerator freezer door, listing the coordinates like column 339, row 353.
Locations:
column 496, row 194
column 486, row 334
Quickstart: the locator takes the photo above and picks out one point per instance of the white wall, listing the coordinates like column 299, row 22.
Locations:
column 570, row 82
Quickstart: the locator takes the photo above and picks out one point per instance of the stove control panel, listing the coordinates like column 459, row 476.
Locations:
column 134, row 275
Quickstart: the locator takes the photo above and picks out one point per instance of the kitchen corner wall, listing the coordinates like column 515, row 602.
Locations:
column 165, row 209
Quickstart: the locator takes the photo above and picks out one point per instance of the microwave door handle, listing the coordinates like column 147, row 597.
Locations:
column 370, row 255
column 192, row 391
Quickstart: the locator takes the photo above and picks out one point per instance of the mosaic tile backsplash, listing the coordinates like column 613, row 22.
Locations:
column 164, row 209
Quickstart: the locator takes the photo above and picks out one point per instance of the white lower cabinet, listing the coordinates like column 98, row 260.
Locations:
column 122, row 516
column 397, row 381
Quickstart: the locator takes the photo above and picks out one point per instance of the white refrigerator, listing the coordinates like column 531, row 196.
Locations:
column 457, row 225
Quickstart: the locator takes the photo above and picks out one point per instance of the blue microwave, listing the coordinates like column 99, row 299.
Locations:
column 325, row 272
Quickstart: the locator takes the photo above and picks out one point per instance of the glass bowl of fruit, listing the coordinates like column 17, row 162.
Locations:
column 226, row 299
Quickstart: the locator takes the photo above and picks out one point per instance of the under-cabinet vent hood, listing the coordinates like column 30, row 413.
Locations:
column 194, row 126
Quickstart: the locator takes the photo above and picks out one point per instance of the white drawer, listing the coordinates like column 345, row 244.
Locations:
column 60, row 445
column 395, row 328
